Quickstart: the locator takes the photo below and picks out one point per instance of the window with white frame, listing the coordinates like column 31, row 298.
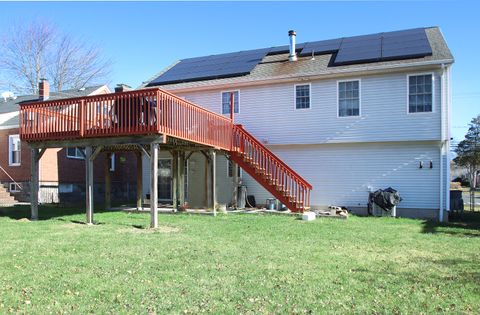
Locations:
column 230, row 170
column 302, row 96
column 226, row 102
column 420, row 93
column 112, row 162
column 14, row 150
column 349, row 98
column 14, row 187
column 75, row 153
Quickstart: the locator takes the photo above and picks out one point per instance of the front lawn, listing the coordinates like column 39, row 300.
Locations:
column 235, row 264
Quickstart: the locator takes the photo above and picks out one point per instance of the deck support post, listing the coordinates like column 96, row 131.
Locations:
column 235, row 184
column 181, row 178
column 89, row 184
column 213, row 181
column 34, row 184
column 139, row 156
column 175, row 180
column 108, row 181
column 154, row 185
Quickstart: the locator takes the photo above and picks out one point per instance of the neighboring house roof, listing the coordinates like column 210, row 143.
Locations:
column 9, row 109
column 275, row 65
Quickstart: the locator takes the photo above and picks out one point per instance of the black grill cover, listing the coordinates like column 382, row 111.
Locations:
column 386, row 199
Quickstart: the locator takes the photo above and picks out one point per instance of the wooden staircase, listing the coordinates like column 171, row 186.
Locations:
column 270, row 171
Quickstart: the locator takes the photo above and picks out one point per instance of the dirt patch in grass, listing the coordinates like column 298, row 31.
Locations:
column 23, row 220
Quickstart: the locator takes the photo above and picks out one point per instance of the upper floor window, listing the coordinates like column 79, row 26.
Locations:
column 302, row 96
column 75, row 153
column 226, row 102
column 349, row 98
column 420, row 93
column 14, row 150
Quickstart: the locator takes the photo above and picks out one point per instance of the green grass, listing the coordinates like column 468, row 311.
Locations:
column 235, row 264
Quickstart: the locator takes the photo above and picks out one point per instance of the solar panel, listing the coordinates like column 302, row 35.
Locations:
column 384, row 46
column 321, row 47
column 359, row 49
column 212, row 67
column 409, row 43
column 396, row 45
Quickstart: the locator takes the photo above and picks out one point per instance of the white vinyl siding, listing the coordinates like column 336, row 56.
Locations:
column 268, row 113
column 349, row 98
column 226, row 102
column 341, row 174
column 302, row 96
column 14, row 150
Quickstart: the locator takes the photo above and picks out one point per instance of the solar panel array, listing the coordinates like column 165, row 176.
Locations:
column 383, row 46
column 349, row 50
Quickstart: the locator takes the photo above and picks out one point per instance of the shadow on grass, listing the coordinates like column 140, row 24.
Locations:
column 467, row 225
column 45, row 212
column 461, row 271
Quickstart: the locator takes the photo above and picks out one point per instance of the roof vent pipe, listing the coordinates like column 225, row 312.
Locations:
column 293, row 54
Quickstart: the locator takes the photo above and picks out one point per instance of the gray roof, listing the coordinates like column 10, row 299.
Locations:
column 13, row 105
column 276, row 66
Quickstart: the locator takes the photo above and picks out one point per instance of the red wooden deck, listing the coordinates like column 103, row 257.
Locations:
column 154, row 111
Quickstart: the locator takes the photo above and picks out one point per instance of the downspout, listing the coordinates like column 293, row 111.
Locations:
column 442, row 141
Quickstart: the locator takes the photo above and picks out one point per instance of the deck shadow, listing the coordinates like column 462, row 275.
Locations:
column 468, row 225
column 45, row 212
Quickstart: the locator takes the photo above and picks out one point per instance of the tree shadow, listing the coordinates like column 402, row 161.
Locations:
column 467, row 225
column 45, row 212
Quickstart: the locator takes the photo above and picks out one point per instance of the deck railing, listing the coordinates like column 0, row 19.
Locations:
column 148, row 111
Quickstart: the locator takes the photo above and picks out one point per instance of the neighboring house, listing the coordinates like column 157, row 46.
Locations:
column 350, row 115
column 62, row 171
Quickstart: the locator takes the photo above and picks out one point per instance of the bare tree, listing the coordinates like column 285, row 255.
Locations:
column 38, row 50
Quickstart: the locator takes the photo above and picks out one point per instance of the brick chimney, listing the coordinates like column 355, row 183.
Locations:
column 122, row 88
column 44, row 90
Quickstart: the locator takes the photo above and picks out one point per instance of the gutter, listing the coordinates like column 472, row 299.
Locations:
column 371, row 69
column 444, row 144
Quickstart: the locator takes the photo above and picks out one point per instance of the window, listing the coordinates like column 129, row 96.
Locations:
column 226, row 102
column 348, row 98
column 302, row 96
column 14, row 150
column 65, row 188
column 420, row 93
column 230, row 170
column 112, row 162
column 14, row 187
column 75, row 153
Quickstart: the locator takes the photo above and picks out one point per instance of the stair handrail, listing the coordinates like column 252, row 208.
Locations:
column 11, row 178
column 280, row 161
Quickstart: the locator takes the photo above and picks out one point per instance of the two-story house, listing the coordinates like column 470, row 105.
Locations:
column 350, row 115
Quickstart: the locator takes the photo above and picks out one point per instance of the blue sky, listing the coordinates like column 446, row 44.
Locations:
column 143, row 38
